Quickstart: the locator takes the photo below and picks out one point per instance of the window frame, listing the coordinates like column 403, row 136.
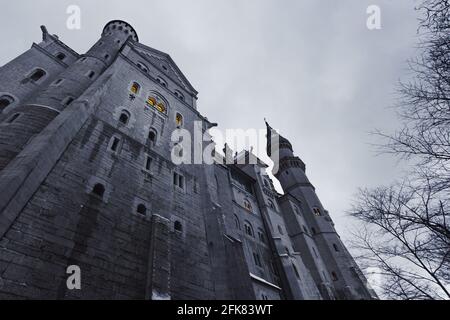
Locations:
column 155, row 140
column 127, row 114
column 176, row 120
column 179, row 180
column 112, row 143
column 248, row 227
column 9, row 98
column 138, row 90
column 33, row 71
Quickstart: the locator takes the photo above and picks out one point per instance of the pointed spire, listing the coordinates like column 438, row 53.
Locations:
column 273, row 136
column 44, row 33
column 268, row 138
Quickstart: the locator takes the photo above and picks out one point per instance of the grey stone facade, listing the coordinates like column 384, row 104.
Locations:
column 86, row 179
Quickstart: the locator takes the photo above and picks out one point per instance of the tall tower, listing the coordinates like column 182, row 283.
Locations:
column 33, row 114
column 312, row 230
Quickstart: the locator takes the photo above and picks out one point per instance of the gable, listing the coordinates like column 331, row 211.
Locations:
column 166, row 65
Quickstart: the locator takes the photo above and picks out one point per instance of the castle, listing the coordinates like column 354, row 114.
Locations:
column 86, row 179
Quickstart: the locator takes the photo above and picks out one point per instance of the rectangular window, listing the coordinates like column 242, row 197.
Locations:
column 317, row 212
column 181, row 182
column 68, row 101
column 57, row 82
column 257, row 259
column 115, row 144
column 178, row 180
column 148, row 163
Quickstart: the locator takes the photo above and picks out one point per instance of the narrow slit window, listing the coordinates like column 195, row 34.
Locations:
column 257, row 259
column 13, row 118
column 334, row 276
column 148, row 163
column 152, row 137
column 68, row 101
column 135, row 88
column 115, row 144
column 61, row 56
column 178, row 180
column 248, row 229
column 296, row 271
column 58, row 82
column 5, row 101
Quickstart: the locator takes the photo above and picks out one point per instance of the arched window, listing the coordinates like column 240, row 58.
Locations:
column 178, row 120
column 61, row 56
column 179, row 95
column 161, row 82
column 141, row 209
column 334, row 276
column 270, row 204
column 248, row 205
column 124, row 117
column 99, row 190
column 135, row 87
column 157, row 103
column 148, row 162
column 305, row 229
column 152, row 136
column 57, row 82
column 317, row 211
column 257, row 259
column 248, row 229
column 5, row 101
column 37, row 75
column 313, row 230
column 142, row 66
column 178, row 226
column 237, row 223
column 336, row 248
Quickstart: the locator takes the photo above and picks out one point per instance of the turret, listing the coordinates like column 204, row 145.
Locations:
column 288, row 168
column 34, row 114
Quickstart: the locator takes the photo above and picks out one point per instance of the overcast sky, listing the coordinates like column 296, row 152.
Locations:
column 311, row 67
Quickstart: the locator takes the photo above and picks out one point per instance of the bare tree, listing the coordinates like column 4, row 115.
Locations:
column 407, row 234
